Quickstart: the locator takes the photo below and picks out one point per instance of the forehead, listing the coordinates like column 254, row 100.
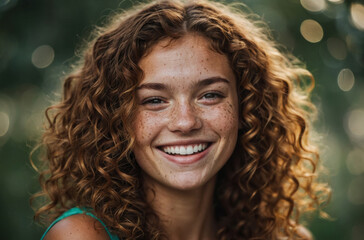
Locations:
column 189, row 57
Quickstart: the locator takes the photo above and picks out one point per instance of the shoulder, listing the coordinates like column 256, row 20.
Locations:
column 79, row 226
column 303, row 233
column 300, row 233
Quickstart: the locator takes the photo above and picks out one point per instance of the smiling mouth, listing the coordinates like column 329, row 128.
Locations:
column 185, row 149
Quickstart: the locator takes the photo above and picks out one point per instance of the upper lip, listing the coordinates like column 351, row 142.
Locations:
column 183, row 142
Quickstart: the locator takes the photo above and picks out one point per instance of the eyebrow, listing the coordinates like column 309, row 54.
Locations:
column 208, row 81
column 200, row 83
column 154, row 86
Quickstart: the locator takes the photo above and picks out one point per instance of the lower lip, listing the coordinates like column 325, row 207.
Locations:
column 186, row 159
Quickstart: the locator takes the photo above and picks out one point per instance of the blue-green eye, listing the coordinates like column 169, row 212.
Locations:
column 212, row 95
column 153, row 101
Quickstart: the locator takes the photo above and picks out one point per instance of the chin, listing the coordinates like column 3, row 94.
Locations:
column 189, row 183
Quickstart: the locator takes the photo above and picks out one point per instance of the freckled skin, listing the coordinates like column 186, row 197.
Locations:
column 185, row 112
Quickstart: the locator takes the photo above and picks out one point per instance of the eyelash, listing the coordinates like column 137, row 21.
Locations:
column 215, row 95
column 210, row 96
column 152, row 101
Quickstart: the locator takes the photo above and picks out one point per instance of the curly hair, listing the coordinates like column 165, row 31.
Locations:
column 270, row 179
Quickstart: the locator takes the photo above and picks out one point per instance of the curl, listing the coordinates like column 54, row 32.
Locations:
column 269, row 181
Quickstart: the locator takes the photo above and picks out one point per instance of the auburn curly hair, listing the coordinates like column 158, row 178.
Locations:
column 269, row 181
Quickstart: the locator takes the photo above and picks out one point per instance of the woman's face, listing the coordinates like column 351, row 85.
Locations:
column 187, row 118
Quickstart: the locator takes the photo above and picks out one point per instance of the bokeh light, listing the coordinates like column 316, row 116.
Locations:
column 355, row 124
column 337, row 48
column 357, row 232
column 4, row 123
column 357, row 15
column 355, row 161
column 311, row 31
column 7, row 4
column 31, row 103
column 43, row 56
column 3, row 2
column 346, row 79
column 7, row 113
column 314, row 5
column 336, row 1
column 356, row 191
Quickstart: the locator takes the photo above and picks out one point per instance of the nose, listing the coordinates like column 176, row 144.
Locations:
column 184, row 118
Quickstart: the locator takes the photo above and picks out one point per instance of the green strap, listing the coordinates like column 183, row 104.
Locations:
column 76, row 210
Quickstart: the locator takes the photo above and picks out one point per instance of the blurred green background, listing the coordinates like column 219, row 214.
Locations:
column 38, row 39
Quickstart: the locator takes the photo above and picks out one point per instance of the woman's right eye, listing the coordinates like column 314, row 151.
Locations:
column 153, row 101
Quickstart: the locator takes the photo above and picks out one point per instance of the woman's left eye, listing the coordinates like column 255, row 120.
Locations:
column 212, row 95
column 211, row 98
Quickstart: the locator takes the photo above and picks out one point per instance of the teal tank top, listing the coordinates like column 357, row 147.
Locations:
column 76, row 210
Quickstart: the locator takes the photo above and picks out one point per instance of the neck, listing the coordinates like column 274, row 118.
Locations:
column 185, row 214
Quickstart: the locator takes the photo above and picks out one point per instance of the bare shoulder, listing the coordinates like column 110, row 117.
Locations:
column 79, row 226
column 303, row 233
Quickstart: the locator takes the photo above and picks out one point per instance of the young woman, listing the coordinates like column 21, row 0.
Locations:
column 183, row 121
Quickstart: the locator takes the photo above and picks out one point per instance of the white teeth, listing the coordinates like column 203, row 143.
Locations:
column 185, row 150
column 195, row 148
column 182, row 150
column 189, row 150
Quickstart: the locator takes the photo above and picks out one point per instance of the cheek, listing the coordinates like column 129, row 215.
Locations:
column 223, row 118
column 145, row 125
